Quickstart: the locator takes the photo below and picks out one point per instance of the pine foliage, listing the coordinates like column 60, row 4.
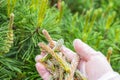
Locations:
column 96, row 22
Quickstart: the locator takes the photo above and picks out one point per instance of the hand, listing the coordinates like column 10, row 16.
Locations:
column 92, row 64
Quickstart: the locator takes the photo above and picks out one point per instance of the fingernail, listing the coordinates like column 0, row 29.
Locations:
column 76, row 41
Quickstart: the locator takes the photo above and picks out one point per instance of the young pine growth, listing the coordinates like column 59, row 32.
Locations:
column 109, row 53
column 9, row 38
column 42, row 11
column 56, row 63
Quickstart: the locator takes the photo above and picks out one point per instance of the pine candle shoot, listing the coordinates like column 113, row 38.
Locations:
column 56, row 63
column 9, row 38
column 109, row 53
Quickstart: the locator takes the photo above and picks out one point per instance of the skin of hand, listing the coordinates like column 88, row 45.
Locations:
column 92, row 64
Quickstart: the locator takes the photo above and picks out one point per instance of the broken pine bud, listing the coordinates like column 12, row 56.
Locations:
column 109, row 53
column 46, row 57
column 56, row 46
column 51, row 44
column 48, row 37
column 74, row 65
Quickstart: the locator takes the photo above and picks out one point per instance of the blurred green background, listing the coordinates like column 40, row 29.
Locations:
column 96, row 22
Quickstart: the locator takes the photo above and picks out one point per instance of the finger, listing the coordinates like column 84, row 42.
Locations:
column 81, row 67
column 42, row 71
column 38, row 57
column 70, row 55
column 83, row 49
column 41, row 68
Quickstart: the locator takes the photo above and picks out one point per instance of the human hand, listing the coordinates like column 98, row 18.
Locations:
column 92, row 64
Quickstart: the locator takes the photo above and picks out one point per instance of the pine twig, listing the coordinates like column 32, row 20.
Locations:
column 79, row 75
column 61, row 74
column 74, row 65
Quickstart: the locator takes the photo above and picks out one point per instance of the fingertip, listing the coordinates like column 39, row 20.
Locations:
column 83, row 49
column 78, row 46
column 76, row 42
column 38, row 57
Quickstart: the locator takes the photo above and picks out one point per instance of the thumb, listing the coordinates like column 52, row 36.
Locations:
column 83, row 50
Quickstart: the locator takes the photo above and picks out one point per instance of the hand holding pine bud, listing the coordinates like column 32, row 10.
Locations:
column 56, row 62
